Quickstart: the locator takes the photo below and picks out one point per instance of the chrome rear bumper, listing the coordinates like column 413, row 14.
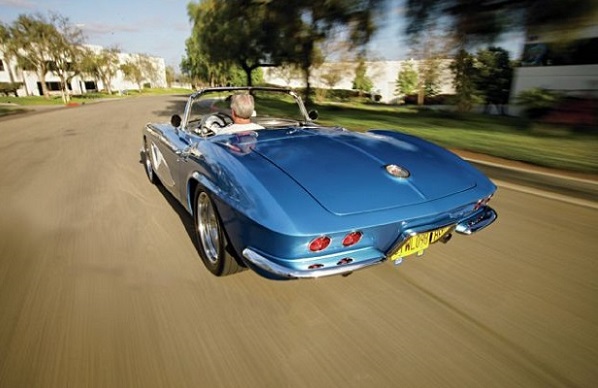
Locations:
column 477, row 221
column 289, row 273
column 482, row 218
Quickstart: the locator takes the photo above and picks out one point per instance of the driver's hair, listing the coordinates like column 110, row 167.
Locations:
column 242, row 105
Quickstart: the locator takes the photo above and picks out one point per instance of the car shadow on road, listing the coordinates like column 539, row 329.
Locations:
column 189, row 224
column 186, row 218
column 174, row 106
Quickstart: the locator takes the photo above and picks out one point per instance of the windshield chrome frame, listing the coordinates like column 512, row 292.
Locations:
column 196, row 95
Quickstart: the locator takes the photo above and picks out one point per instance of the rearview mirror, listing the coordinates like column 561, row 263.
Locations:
column 175, row 121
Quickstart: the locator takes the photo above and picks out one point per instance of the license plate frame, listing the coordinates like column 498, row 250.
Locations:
column 418, row 242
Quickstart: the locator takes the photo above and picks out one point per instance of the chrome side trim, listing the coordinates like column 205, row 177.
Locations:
column 279, row 270
column 477, row 221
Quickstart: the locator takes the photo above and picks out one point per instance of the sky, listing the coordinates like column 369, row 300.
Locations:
column 154, row 27
column 161, row 27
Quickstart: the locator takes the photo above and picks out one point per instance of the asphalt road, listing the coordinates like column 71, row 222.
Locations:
column 101, row 285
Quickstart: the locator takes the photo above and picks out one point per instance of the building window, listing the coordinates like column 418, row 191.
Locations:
column 52, row 87
column 90, row 86
column 576, row 52
column 1, row 65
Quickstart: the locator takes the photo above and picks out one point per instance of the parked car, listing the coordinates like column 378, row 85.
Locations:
column 301, row 200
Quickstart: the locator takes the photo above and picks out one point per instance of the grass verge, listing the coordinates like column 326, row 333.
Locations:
column 506, row 137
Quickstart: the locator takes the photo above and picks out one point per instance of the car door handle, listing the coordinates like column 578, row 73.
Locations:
column 186, row 152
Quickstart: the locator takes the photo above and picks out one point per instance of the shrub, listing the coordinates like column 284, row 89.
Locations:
column 7, row 88
column 439, row 99
column 537, row 102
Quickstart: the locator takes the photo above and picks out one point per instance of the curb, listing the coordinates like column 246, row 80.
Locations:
column 579, row 191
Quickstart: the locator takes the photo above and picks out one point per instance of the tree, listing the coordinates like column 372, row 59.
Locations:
column 493, row 77
column 430, row 70
column 170, row 76
column 236, row 76
column 87, row 64
column 464, row 72
column 407, row 80
column 101, row 65
column 33, row 35
column 64, row 51
column 198, row 67
column 338, row 56
column 332, row 76
column 467, row 23
column 475, row 22
column 333, row 73
column 45, row 45
column 139, row 69
column 430, row 48
column 149, row 71
column 234, row 32
column 312, row 23
column 132, row 73
column 265, row 33
column 362, row 82
column 9, row 50
column 108, row 62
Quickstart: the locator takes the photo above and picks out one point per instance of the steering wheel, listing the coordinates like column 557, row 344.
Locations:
column 212, row 123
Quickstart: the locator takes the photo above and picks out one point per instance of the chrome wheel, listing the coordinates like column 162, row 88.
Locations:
column 208, row 228
column 149, row 167
column 211, row 237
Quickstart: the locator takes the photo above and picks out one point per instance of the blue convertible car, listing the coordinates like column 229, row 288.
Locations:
column 300, row 200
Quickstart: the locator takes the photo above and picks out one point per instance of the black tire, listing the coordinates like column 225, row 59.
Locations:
column 211, row 238
column 148, row 164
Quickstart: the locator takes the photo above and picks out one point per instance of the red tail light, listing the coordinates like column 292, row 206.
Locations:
column 482, row 202
column 352, row 238
column 319, row 243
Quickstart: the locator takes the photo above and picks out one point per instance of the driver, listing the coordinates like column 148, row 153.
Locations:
column 241, row 106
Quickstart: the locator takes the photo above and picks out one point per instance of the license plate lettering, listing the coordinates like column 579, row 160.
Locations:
column 417, row 243
column 437, row 234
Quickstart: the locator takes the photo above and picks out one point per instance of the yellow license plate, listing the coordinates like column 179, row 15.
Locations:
column 419, row 242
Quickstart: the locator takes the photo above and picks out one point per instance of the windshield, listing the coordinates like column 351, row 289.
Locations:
column 274, row 108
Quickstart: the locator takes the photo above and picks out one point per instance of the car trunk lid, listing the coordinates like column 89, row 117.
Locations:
column 346, row 172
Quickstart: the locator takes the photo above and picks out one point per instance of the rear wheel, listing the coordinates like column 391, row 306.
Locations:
column 147, row 161
column 211, row 237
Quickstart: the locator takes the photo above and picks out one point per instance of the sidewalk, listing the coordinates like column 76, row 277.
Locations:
column 574, row 187
column 517, row 165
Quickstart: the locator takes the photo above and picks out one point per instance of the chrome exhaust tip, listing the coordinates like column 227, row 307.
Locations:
column 446, row 238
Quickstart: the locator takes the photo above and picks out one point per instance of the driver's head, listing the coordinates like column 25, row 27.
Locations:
column 242, row 105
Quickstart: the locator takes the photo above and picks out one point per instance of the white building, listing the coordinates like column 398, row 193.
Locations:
column 545, row 64
column 383, row 74
column 31, row 85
